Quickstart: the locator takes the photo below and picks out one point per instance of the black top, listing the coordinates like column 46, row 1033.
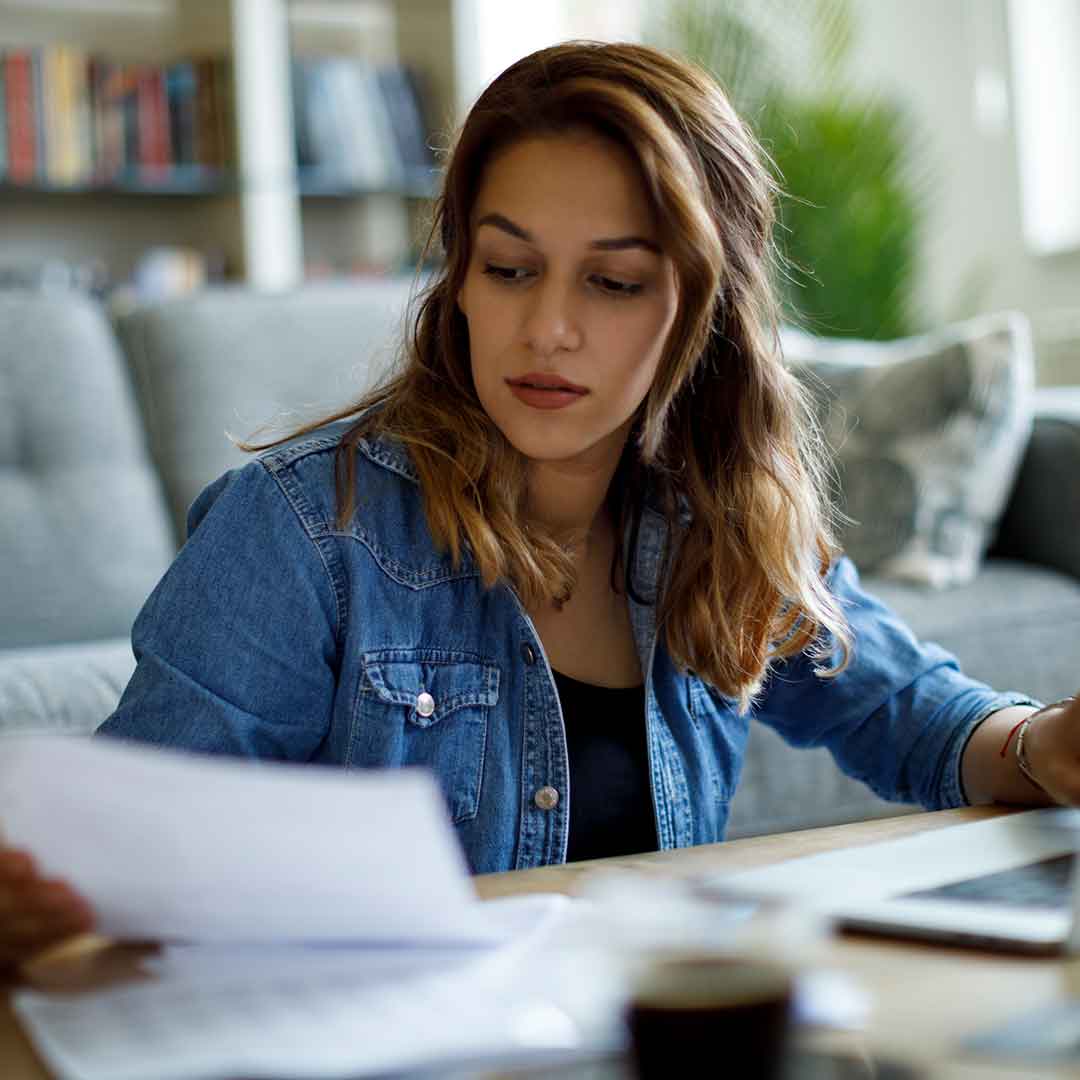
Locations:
column 611, row 808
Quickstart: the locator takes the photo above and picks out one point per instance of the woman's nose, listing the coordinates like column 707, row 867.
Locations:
column 552, row 322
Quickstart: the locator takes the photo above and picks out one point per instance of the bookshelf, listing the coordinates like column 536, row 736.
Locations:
column 271, row 222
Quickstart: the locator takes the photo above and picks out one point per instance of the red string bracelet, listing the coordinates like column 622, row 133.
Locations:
column 1014, row 730
column 1063, row 703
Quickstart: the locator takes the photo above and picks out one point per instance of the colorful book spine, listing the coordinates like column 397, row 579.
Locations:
column 37, row 78
column 3, row 120
column 226, row 110
column 21, row 122
column 129, row 110
column 210, row 139
column 52, row 112
column 95, row 77
column 180, row 87
column 83, row 155
column 64, row 105
column 113, row 96
column 154, row 154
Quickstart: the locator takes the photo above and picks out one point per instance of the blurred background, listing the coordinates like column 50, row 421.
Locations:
column 930, row 149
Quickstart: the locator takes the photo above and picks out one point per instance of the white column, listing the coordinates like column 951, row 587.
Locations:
column 270, row 201
column 1044, row 37
column 489, row 35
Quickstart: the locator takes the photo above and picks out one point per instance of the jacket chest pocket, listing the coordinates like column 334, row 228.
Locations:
column 430, row 707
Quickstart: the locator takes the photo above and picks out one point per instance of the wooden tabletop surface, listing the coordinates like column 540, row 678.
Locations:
column 925, row 999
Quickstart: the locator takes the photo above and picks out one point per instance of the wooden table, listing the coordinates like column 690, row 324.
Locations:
column 926, row 999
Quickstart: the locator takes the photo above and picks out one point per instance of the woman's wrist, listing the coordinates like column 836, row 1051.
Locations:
column 1023, row 761
column 989, row 770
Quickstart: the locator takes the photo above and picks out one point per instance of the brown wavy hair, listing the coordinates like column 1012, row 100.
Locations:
column 724, row 443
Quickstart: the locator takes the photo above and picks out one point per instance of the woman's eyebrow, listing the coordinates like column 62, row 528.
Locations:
column 615, row 243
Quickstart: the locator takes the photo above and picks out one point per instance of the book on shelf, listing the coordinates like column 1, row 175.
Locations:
column 71, row 119
column 21, row 123
column 358, row 126
column 214, row 138
column 3, row 125
column 107, row 92
column 181, row 88
column 404, row 95
column 152, row 119
column 37, row 111
column 64, row 111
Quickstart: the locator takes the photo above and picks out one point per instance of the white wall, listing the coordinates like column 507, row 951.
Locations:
column 949, row 61
column 491, row 34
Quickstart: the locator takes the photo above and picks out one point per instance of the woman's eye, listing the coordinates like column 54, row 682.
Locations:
column 619, row 288
column 504, row 273
column 513, row 275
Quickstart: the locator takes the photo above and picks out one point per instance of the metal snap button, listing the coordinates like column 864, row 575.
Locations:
column 547, row 798
column 425, row 704
column 528, row 654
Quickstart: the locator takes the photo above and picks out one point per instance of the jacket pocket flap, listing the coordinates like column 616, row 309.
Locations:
column 430, row 686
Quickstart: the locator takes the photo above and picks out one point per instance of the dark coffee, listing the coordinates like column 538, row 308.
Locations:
column 710, row 1017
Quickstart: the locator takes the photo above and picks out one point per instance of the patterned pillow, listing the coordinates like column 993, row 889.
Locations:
column 928, row 433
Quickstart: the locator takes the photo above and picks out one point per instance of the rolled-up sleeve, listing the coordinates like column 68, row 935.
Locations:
column 236, row 647
column 898, row 717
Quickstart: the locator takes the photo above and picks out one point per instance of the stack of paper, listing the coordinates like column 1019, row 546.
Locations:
column 330, row 923
column 300, row 1011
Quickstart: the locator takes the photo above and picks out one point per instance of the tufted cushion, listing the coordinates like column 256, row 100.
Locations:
column 231, row 359
column 928, row 434
column 84, row 532
column 62, row 689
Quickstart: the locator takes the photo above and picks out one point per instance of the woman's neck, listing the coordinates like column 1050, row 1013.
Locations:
column 569, row 499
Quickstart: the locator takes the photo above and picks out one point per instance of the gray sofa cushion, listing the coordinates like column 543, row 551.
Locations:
column 84, row 533
column 1014, row 627
column 1040, row 524
column 67, row 689
column 231, row 359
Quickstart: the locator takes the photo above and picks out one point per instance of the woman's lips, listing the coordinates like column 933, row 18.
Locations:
column 545, row 392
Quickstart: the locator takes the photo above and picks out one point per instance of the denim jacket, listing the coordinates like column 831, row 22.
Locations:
column 275, row 634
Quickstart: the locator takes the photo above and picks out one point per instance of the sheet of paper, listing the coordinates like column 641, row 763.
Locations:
column 175, row 846
column 332, row 1011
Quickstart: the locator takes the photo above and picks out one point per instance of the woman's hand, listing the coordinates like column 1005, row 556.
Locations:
column 1051, row 746
column 35, row 911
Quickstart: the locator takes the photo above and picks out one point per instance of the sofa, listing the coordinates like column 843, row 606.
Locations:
column 112, row 422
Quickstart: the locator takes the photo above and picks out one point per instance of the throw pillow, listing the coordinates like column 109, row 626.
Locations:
column 928, row 433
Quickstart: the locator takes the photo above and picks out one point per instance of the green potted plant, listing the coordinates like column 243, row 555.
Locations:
column 847, row 233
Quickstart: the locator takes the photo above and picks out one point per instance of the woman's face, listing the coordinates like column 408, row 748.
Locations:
column 567, row 296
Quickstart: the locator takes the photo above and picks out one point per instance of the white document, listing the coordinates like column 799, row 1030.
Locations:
column 174, row 846
column 216, row 1011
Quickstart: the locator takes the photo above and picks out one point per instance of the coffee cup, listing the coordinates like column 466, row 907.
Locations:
column 704, row 1014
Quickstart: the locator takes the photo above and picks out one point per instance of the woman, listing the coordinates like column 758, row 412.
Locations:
column 580, row 540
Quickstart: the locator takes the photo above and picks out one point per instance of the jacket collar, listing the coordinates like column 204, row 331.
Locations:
column 391, row 454
column 652, row 536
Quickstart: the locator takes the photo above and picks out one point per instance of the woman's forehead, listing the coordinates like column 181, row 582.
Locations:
column 588, row 186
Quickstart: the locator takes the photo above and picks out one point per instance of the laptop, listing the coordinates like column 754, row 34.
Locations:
column 1009, row 883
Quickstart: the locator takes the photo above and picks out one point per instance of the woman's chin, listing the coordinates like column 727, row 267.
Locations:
column 552, row 448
